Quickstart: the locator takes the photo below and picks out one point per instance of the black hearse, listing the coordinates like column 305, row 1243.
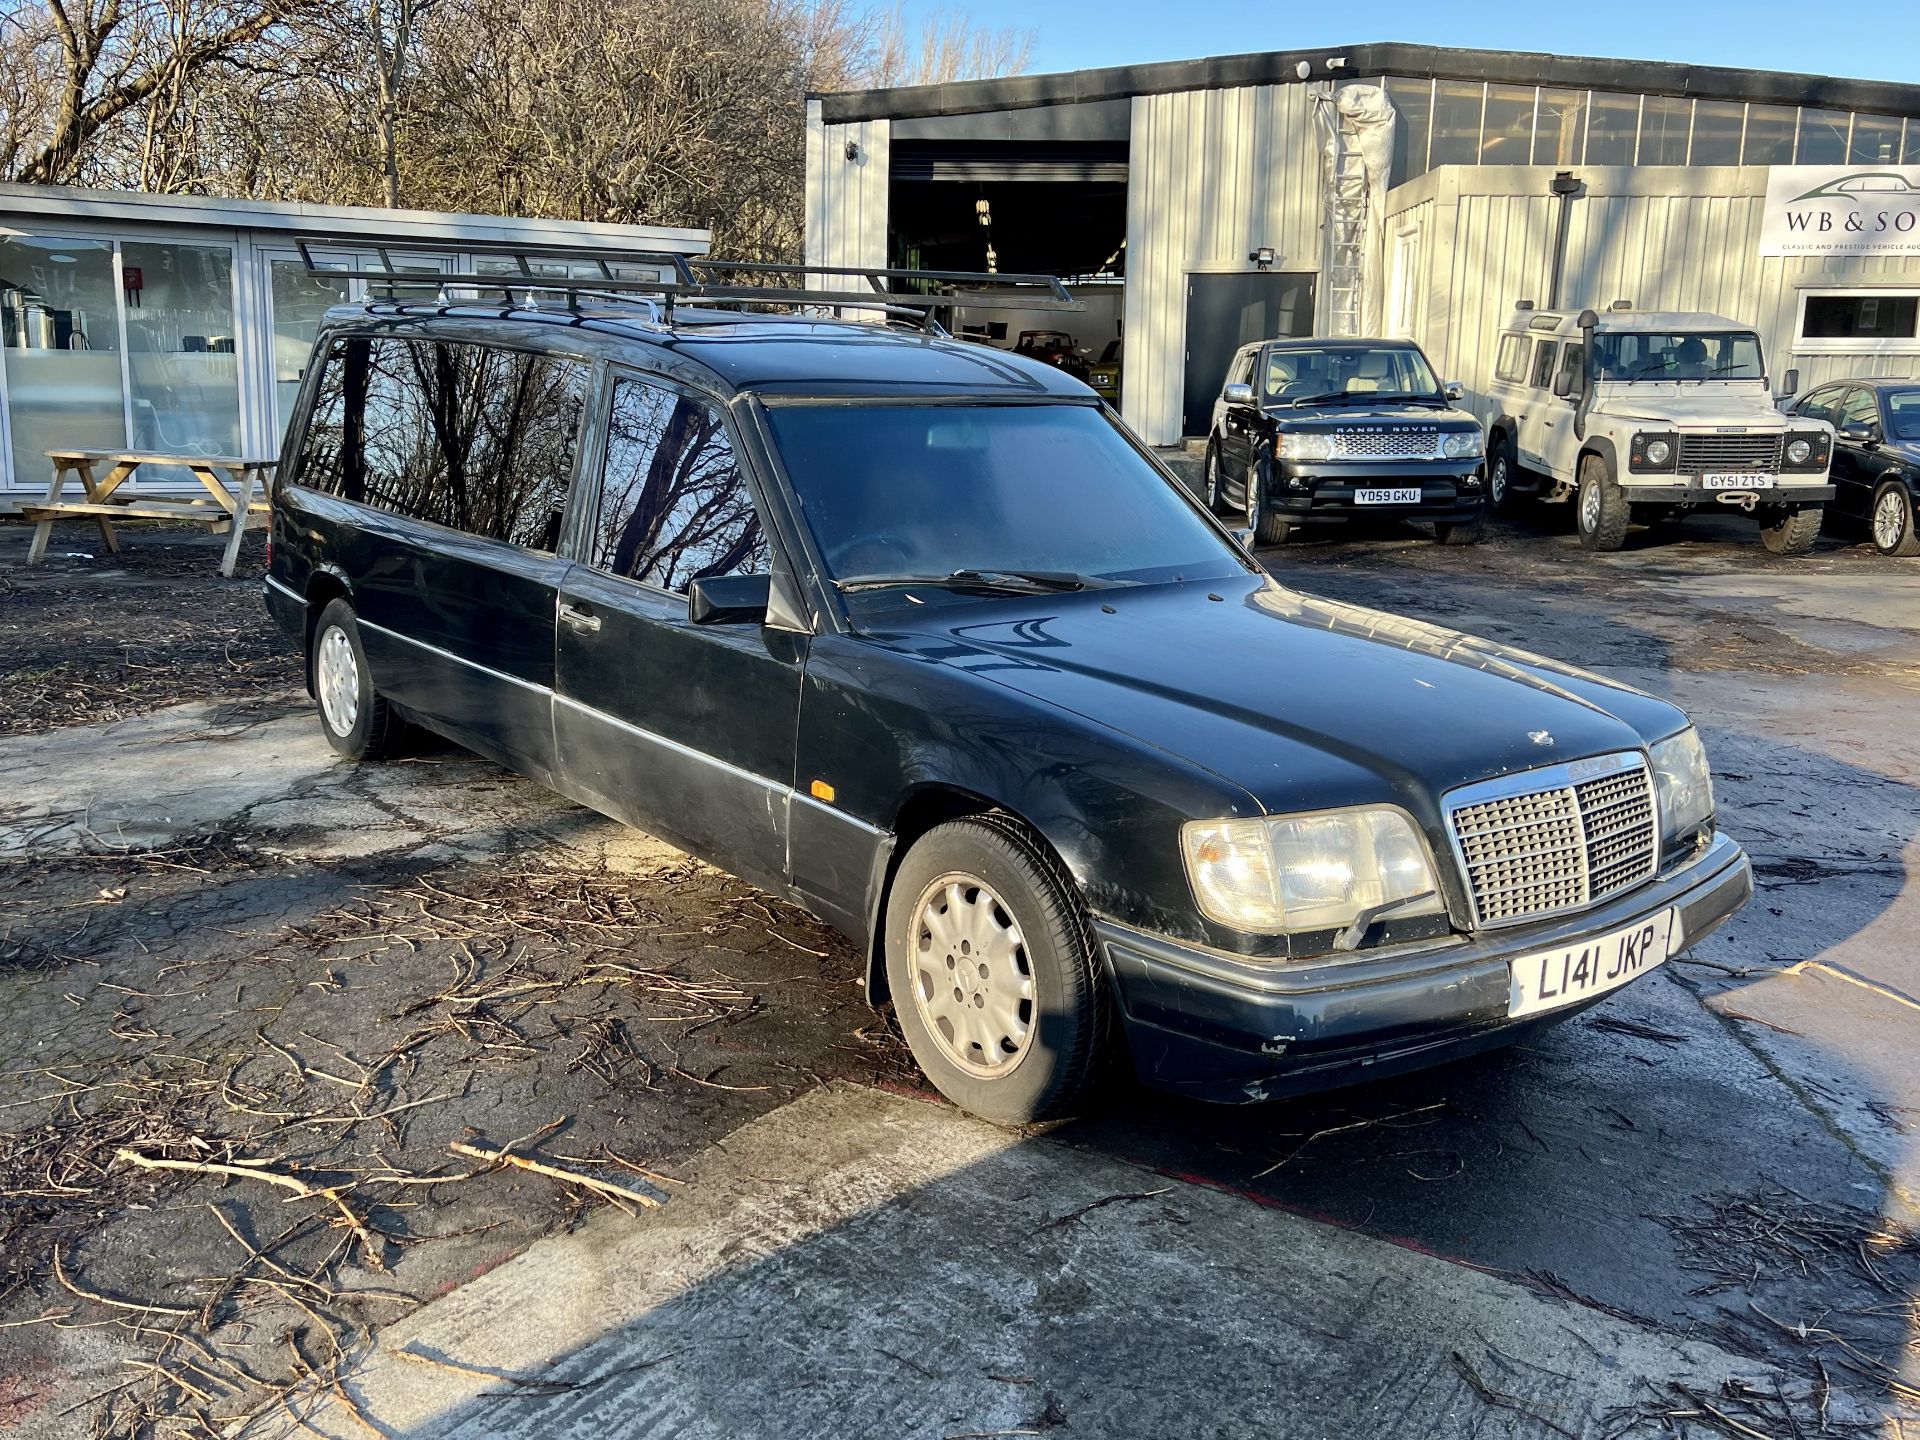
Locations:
column 914, row 632
column 1311, row 432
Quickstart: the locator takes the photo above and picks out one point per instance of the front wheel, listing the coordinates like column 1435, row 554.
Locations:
column 1268, row 528
column 1213, row 476
column 1790, row 532
column 1499, row 474
column 1893, row 521
column 356, row 719
column 993, row 972
column 1602, row 509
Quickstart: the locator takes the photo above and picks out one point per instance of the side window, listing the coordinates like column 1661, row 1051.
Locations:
column 1862, row 408
column 1512, row 362
column 1241, row 371
column 673, row 506
column 322, row 463
column 1543, row 364
column 1821, row 404
column 477, row 439
column 1572, row 362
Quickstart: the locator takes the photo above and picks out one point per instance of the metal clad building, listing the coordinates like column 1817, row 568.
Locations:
column 1201, row 188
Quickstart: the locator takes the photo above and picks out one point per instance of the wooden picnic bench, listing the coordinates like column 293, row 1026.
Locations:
column 230, row 505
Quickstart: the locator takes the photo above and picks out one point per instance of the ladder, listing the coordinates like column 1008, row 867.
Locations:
column 1345, row 225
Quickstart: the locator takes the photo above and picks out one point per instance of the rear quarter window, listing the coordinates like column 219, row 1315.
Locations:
column 1511, row 363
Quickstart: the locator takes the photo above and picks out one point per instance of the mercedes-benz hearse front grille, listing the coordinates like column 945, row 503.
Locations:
column 1556, row 839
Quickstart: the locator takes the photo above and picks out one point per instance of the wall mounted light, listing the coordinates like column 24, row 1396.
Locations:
column 1263, row 257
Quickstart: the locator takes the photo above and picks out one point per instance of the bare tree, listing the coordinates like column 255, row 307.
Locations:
column 945, row 45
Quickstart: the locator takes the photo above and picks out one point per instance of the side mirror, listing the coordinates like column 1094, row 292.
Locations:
column 1562, row 384
column 1454, row 389
column 1243, row 536
column 1792, row 381
column 729, row 599
column 1861, row 432
column 1238, row 394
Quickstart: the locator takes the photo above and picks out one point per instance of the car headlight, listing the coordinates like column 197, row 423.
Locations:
column 1462, row 444
column 1659, row 452
column 1683, row 784
column 1304, row 445
column 1309, row 872
column 1651, row 451
column 1799, row 451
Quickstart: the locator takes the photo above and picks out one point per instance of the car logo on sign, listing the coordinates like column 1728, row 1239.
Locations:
column 1540, row 737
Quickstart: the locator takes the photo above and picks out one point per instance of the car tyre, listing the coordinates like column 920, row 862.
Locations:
column 1268, row 528
column 1460, row 532
column 1790, row 532
column 1601, row 509
column 356, row 719
column 1211, row 470
column 1892, row 521
column 1027, row 1040
column 1500, row 470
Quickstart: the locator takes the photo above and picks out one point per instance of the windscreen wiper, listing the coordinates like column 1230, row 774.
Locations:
column 1012, row 582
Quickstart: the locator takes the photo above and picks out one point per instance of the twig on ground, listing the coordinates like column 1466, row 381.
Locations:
column 605, row 1188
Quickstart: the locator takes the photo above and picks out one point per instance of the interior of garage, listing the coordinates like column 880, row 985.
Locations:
column 1045, row 208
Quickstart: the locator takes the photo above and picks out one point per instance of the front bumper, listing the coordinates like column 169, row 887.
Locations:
column 1220, row 1027
column 1644, row 490
column 1311, row 492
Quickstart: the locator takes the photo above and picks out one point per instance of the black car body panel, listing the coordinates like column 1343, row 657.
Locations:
column 1863, row 463
column 802, row 753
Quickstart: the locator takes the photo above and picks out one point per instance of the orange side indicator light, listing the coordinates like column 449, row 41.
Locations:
column 820, row 790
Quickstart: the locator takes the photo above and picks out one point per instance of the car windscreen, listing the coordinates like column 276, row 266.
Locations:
column 890, row 489
column 1903, row 414
column 1694, row 355
column 1306, row 373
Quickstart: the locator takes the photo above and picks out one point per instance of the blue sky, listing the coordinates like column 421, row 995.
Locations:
column 1880, row 40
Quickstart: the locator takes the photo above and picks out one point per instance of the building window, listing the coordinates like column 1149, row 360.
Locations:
column 1864, row 321
column 1770, row 130
column 1876, row 140
column 1613, row 123
column 1911, row 150
column 1561, row 130
column 1823, row 137
column 59, row 317
column 1457, row 110
column 1413, row 105
column 1665, row 123
column 1717, row 127
column 1508, row 131
column 184, row 379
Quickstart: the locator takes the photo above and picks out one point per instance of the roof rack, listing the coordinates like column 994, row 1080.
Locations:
column 702, row 279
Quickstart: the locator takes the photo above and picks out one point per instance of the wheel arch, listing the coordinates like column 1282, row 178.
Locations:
column 324, row 586
column 1602, row 446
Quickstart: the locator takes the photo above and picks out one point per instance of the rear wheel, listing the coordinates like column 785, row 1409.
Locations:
column 1212, row 494
column 1893, row 528
column 1790, row 532
column 355, row 718
column 993, row 972
column 1601, row 509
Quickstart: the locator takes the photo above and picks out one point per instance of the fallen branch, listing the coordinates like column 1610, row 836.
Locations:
column 135, row 1306
column 369, row 1243
column 554, row 1172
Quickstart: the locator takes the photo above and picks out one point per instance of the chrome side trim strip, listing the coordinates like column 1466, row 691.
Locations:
column 287, row 590
column 457, row 659
column 837, row 813
column 777, row 786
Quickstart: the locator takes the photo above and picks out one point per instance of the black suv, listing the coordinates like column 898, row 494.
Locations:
column 1310, row 431
column 914, row 632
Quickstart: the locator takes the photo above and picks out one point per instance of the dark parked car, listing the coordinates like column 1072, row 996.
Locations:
column 917, row 634
column 1876, row 457
column 1310, row 431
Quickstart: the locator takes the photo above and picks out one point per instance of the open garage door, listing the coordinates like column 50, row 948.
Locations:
column 1228, row 310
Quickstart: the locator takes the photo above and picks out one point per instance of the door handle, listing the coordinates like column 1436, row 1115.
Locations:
column 582, row 620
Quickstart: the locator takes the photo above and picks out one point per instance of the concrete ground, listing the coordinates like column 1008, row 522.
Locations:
column 1686, row 1210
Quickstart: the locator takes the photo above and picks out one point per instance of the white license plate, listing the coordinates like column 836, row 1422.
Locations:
column 1387, row 495
column 1552, row 978
column 1737, row 481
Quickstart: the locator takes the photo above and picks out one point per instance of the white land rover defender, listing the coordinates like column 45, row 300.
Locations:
column 1646, row 415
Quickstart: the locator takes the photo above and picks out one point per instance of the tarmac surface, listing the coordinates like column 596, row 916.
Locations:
column 1687, row 1209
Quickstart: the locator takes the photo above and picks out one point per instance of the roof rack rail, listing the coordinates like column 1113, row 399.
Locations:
column 700, row 279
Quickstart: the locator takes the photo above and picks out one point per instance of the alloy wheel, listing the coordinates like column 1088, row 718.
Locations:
column 1213, row 478
column 972, row 978
column 1497, row 481
column 1590, row 507
column 1889, row 519
column 336, row 680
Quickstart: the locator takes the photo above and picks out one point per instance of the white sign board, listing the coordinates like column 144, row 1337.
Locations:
column 1815, row 210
